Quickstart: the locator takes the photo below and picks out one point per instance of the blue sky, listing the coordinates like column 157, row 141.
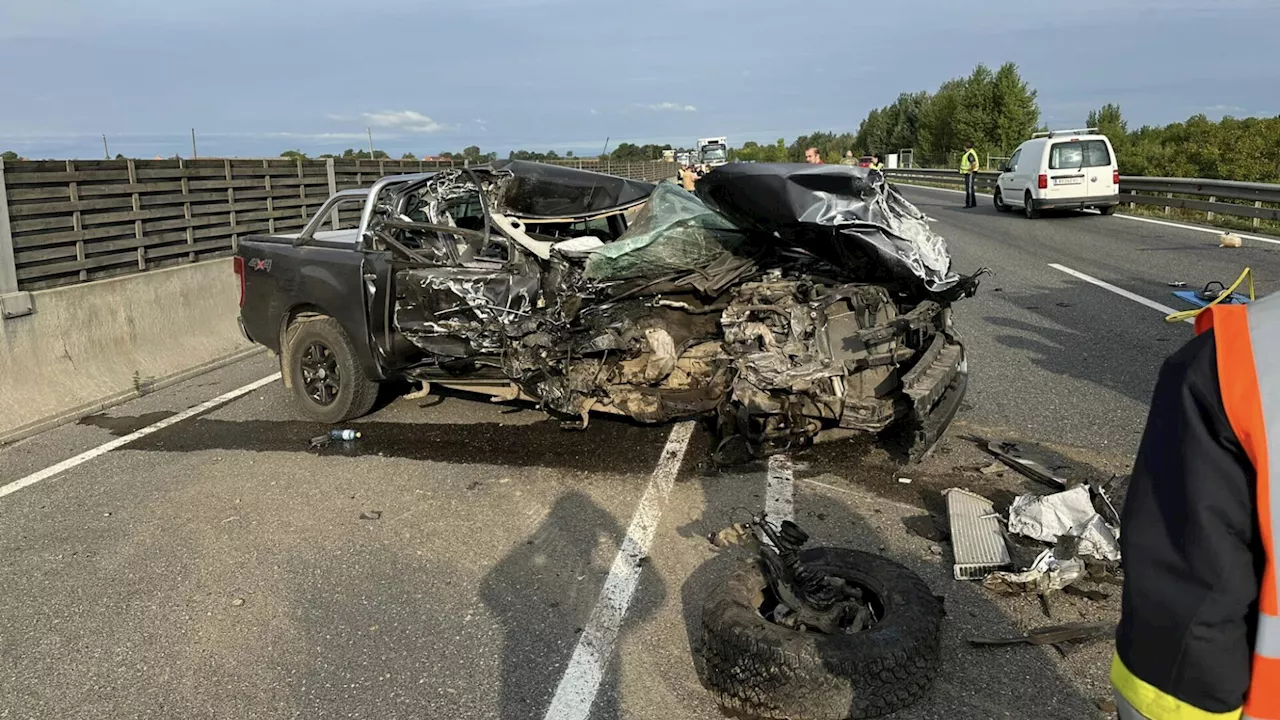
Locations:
column 255, row 77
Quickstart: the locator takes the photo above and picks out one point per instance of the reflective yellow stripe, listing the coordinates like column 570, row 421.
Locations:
column 1155, row 704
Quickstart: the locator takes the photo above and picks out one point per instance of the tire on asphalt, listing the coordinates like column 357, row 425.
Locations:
column 999, row 201
column 1028, row 207
column 757, row 668
column 355, row 393
column 1108, row 209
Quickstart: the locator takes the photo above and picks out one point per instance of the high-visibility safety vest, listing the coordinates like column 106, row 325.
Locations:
column 968, row 160
column 1247, row 349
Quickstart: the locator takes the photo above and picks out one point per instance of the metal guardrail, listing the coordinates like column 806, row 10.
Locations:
column 1167, row 193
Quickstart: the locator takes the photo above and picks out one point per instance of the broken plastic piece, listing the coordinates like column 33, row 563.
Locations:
column 976, row 539
column 1008, row 453
column 1045, row 575
column 1054, row 634
column 1049, row 517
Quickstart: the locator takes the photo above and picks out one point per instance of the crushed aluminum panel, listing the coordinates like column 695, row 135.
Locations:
column 975, row 535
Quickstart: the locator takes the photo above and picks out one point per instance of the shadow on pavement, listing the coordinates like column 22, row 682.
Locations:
column 542, row 595
column 973, row 683
column 1128, row 368
column 608, row 445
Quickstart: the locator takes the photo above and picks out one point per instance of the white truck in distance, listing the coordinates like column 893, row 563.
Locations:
column 713, row 151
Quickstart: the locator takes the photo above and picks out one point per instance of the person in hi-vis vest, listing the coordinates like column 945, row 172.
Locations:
column 969, row 166
column 1199, row 633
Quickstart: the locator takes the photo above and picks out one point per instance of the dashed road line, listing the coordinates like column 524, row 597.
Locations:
column 780, row 490
column 581, row 681
column 107, row 447
column 1117, row 290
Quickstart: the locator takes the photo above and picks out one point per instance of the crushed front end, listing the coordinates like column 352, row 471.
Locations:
column 794, row 304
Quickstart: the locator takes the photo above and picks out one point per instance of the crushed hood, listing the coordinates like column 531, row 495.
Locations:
column 540, row 191
column 843, row 214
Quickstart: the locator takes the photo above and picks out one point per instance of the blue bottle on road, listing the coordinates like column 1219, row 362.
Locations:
column 344, row 434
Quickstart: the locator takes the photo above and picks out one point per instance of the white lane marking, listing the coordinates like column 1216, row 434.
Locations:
column 1215, row 231
column 779, row 498
column 1136, row 218
column 1117, row 290
column 105, row 448
column 577, row 690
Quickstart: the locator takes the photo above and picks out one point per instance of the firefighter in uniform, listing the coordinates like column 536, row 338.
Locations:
column 969, row 168
column 1199, row 633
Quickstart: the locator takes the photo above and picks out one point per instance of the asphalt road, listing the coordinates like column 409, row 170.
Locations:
column 449, row 562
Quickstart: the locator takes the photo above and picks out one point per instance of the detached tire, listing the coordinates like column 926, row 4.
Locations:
column 320, row 364
column 757, row 668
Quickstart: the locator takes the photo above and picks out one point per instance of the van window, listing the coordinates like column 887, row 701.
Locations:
column 1013, row 161
column 1080, row 154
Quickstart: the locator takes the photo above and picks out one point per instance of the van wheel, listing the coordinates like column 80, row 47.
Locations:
column 998, row 201
column 1109, row 209
column 327, row 381
column 1028, row 208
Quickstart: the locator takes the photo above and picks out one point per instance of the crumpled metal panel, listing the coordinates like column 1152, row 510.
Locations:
column 538, row 190
column 875, row 228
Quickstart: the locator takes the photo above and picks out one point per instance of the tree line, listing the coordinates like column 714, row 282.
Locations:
column 1245, row 149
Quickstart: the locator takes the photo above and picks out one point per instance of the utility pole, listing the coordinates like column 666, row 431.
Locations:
column 105, row 151
column 370, row 132
column 194, row 154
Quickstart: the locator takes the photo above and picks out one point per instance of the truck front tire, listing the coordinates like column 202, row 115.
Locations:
column 320, row 366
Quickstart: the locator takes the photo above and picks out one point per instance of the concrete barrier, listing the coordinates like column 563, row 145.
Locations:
column 87, row 347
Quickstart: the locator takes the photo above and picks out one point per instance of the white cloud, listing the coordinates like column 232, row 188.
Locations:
column 672, row 107
column 594, row 112
column 406, row 120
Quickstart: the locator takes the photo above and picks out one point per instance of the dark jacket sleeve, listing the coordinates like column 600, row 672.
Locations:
column 1189, row 538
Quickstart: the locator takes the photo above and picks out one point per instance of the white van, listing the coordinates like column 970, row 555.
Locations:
column 1060, row 169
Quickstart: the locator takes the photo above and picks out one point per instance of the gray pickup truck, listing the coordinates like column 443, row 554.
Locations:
column 793, row 304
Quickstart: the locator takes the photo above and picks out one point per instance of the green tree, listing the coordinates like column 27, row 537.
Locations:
column 937, row 136
column 294, row 155
column 1015, row 112
column 8, row 155
column 408, row 156
column 1109, row 121
column 568, row 153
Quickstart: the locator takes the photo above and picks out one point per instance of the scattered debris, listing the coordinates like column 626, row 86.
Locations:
column 976, row 538
column 1070, row 513
column 926, row 527
column 1016, row 458
column 319, row 441
column 371, row 515
column 904, row 480
column 1107, row 705
column 735, row 534
column 1229, row 240
column 1176, row 283
column 344, row 434
column 935, row 549
column 992, row 469
column 1045, row 575
column 1095, row 595
column 1054, row 634
column 238, row 602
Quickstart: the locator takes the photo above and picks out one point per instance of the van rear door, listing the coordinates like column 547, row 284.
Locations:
column 1099, row 163
column 1066, row 170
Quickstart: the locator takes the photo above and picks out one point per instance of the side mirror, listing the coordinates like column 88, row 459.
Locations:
column 1006, row 168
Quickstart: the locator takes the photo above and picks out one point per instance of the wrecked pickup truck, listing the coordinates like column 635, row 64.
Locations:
column 792, row 303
